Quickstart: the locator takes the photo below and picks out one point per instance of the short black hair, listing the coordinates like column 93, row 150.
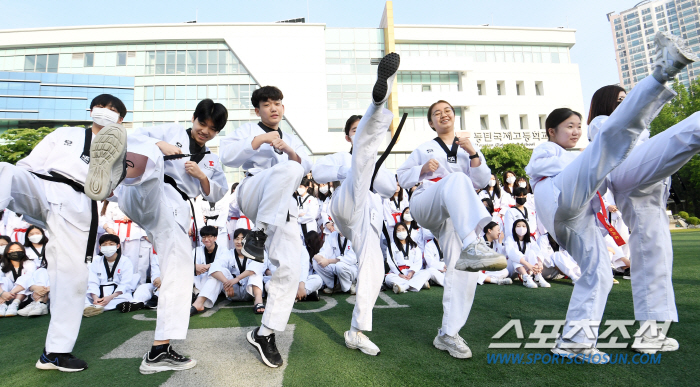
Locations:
column 489, row 227
column 240, row 231
column 519, row 191
column 266, row 93
column 6, row 239
column 209, row 110
column 350, row 122
column 208, row 231
column 489, row 205
column 106, row 100
column 556, row 117
column 44, row 239
column 109, row 238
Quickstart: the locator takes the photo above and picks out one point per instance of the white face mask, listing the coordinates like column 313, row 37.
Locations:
column 36, row 238
column 402, row 235
column 492, row 183
column 407, row 217
column 510, row 180
column 521, row 231
column 103, row 116
column 108, row 251
column 301, row 191
column 323, row 189
column 522, row 184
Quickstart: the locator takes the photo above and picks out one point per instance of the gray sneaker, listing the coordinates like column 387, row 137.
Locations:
column 165, row 361
column 479, row 256
column 361, row 342
column 107, row 166
column 672, row 55
column 455, row 345
column 651, row 345
column 587, row 355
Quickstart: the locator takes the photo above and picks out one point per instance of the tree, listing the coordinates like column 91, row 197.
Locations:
column 681, row 107
column 507, row 157
column 16, row 144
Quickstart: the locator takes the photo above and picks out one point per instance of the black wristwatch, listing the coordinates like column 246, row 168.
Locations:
column 474, row 156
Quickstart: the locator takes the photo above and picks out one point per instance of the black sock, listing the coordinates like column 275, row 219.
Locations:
column 158, row 349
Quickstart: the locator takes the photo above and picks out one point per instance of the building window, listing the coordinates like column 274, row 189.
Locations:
column 89, row 59
column 500, row 88
column 484, row 121
column 426, row 88
column 41, row 63
column 121, row 58
column 420, row 81
column 523, row 122
column 520, row 88
column 504, row 122
column 539, row 90
column 481, row 87
column 543, row 119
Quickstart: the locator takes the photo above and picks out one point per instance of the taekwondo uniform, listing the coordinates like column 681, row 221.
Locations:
column 215, row 216
column 560, row 261
column 308, row 206
column 485, row 194
column 158, row 202
column 517, row 250
column 231, row 265
column 312, row 282
column 325, row 214
column 499, row 274
column 265, row 196
column 147, row 290
column 338, row 247
column 133, row 242
column 202, row 257
column 105, row 280
column 393, row 208
column 21, row 276
column 407, row 259
column 512, row 214
column 434, row 261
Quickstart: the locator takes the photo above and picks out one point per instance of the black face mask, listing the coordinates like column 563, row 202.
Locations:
column 521, row 201
column 16, row 256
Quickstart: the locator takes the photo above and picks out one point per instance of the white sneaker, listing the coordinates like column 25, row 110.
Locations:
column 386, row 72
column 3, row 309
column 398, row 289
column 672, row 55
column 479, row 256
column 353, row 288
column 504, row 281
column 24, row 312
column 107, row 164
column 360, row 341
column 541, row 282
column 651, row 345
column 587, row 355
column 12, row 309
column 427, row 285
column 92, row 310
column 328, row 290
column 528, row 282
column 455, row 345
column 39, row 309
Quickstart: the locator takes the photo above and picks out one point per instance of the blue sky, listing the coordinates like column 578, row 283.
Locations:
column 593, row 51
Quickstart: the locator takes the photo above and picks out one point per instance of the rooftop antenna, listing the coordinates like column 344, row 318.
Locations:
column 196, row 15
column 307, row 11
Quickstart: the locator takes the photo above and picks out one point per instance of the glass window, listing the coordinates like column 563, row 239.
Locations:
column 160, row 92
column 121, row 58
column 89, row 59
column 41, row 63
column 53, row 63
column 201, row 91
column 150, row 62
column 213, row 62
column 160, row 62
column 170, row 92
column 170, row 66
column 180, row 93
column 29, row 62
column 180, row 69
column 191, row 92
column 223, row 61
column 191, row 62
column 201, row 62
column 148, row 93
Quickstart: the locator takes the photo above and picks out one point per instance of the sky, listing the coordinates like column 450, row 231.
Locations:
column 593, row 51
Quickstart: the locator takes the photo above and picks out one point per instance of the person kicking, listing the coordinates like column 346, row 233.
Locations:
column 275, row 163
column 357, row 211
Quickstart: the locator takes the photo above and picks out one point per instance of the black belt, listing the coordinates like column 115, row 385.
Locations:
column 77, row 187
column 102, row 293
column 215, row 217
column 169, row 180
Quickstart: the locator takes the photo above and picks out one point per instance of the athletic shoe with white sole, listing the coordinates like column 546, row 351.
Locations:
column 504, row 281
column 165, row 361
column 672, row 55
column 539, row 280
column 479, row 256
column 528, row 282
column 93, row 310
column 398, row 289
column 587, row 355
column 386, row 72
column 28, row 310
column 651, row 345
column 64, row 362
column 126, row 307
column 427, row 285
column 3, row 309
column 359, row 341
column 266, row 347
column 39, row 309
column 12, row 309
column 353, row 289
column 328, row 290
column 254, row 245
column 107, row 166
column 455, row 345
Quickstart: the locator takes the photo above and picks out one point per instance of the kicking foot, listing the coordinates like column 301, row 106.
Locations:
column 107, row 162
column 165, row 361
column 672, row 55
column 64, row 362
column 479, row 256
column 254, row 245
column 455, row 345
column 358, row 340
column 386, row 72
column 266, row 347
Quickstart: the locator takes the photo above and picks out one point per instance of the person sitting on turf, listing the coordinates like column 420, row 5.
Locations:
column 406, row 273
column 205, row 255
column 494, row 239
column 15, row 269
column 147, row 293
column 309, row 283
column 556, row 260
column 110, row 278
column 524, row 255
column 336, row 259
column 434, row 261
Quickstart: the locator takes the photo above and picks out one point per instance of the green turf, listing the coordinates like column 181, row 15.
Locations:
column 318, row 355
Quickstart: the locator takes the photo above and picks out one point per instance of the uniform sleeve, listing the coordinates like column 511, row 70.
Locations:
column 36, row 161
column 300, row 150
column 512, row 252
column 127, row 275
column 350, row 257
column 217, row 185
column 329, row 168
column 236, row 148
column 409, row 171
column 508, row 221
column 222, row 261
column 155, row 267
column 480, row 175
column 304, row 256
column 416, row 255
column 93, row 282
column 385, row 183
column 432, row 256
column 311, row 211
column 160, row 132
column 327, row 250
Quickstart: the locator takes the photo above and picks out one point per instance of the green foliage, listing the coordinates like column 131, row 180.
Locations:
column 684, row 215
column 681, row 107
column 507, row 157
column 16, row 144
column 694, row 221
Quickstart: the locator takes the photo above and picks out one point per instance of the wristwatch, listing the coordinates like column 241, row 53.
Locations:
column 474, row 156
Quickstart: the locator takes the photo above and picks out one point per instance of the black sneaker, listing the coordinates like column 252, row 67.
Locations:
column 152, row 303
column 64, row 362
column 126, row 307
column 313, row 296
column 386, row 72
column 165, row 361
column 254, row 245
column 267, row 348
column 193, row 311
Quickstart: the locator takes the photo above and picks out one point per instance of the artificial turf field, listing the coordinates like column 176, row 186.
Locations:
column 318, row 357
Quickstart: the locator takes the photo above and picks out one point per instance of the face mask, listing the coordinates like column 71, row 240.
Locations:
column 408, row 217
column 16, row 256
column 323, row 189
column 103, row 116
column 510, row 180
column 402, row 235
column 521, row 201
column 301, row 191
column 522, row 184
column 352, row 139
column 521, row 231
column 36, row 238
column 108, row 251
column 492, row 183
